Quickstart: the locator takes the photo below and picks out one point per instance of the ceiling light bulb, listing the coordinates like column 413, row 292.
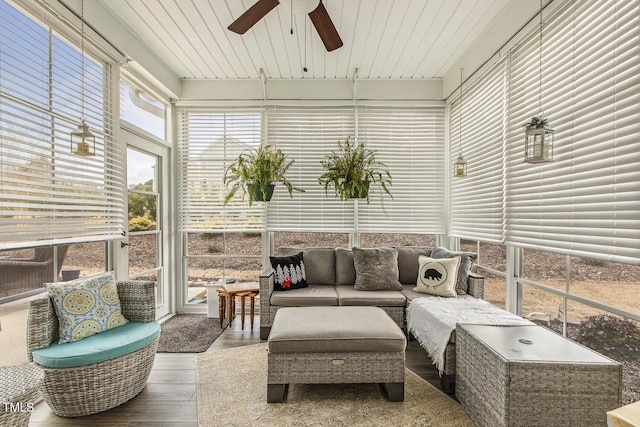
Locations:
column 301, row 6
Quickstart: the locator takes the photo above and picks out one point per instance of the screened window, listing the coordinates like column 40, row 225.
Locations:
column 410, row 142
column 210, row 141
column 47, row 192
column 587, row 202
column 306, row 135
column 477, row 125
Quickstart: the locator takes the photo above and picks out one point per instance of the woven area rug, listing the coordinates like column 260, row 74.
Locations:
column 232, row 391
column 188, row 333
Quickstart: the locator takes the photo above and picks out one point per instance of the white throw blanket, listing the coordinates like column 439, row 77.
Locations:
column 431, row 320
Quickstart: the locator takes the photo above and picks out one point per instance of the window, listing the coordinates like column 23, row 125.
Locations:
column 477, row 201
column 410, row 142
column 49, row 195
column 141, row 109
column 223, row 243
column 587, row 202
column 306, row 135
column 208, row 142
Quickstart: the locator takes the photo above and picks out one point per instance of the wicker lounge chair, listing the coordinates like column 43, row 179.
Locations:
column 19, row 275
column 88, row 389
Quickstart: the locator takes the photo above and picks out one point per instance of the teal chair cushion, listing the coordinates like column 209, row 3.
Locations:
column 97, row 348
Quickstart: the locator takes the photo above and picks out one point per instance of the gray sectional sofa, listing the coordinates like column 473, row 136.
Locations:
column 331, row 275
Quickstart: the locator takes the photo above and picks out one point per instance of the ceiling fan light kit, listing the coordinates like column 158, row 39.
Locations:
column 318, row 15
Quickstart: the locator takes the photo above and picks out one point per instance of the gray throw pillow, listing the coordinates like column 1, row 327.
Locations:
column 376, row 269
column 319, row 263
column 408, row 262
column 345, row 269
column 466, row 262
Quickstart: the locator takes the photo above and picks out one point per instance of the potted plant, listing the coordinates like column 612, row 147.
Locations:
column 255, row 173
column 352, row 170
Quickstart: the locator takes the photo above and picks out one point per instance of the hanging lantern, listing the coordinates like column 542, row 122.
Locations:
column 83, row 140
column 538, row 138
column 538, row 141
column 460, row 167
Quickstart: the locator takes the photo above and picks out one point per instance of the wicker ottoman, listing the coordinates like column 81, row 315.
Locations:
column 530, row 376
column 332, row 345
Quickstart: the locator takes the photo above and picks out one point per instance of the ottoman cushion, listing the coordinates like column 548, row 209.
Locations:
column 334, row 329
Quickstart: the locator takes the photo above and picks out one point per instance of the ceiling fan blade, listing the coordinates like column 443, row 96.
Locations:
column 252, row 16
column 325, row 28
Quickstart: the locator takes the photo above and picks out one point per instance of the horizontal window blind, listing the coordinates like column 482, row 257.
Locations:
column 410, row 141
column 477, row 201
column 587, row 202
column 306, row 135
column 208, row 142
column 48, row 194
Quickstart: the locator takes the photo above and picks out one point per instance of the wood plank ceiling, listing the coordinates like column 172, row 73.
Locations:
column 384, row 39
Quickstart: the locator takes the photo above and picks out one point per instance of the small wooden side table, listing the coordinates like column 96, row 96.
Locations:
column 227, row 300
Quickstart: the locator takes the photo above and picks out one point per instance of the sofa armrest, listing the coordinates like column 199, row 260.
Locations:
column 476, row 285
column 137, row 300
column 266, row 289
column 42, row 324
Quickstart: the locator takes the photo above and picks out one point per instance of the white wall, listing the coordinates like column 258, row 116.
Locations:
column 312, row 89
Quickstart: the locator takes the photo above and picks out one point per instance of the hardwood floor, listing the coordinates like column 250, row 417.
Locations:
column 169, row 399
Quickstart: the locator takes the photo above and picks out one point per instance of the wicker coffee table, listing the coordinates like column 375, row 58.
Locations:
column 334, row 345
column 531, row 376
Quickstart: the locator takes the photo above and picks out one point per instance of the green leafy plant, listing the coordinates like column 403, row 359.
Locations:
column 352, row 170
column 536, row 122
column 257, row 171
column 141, row 223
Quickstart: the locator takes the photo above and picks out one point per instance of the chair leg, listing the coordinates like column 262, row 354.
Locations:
column 222, row 306
column 242, row 300
column 253, row 305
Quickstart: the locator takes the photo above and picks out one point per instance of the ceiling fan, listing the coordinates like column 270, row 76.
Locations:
column 319, row 17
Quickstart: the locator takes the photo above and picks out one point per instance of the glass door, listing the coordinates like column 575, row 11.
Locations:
column 146, row 249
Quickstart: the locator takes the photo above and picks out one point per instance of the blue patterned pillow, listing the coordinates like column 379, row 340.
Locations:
column 86, row 307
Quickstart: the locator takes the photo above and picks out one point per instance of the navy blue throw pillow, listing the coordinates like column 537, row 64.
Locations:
column 288, row 272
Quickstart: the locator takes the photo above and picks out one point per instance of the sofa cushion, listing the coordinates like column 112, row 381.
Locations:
column 466, row 262
column 319, row 264
column 289, row 272
column 333, row 329
column 345, row 269
column 86, row 306
column 407, row 291
column 376, row 269
column 306, row 297
column 97, row 348
column 408, row 262
column 438, row 276
column 347, row 295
